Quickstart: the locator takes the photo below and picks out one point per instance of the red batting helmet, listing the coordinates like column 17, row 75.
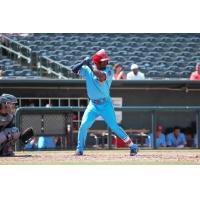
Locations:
column 99, row 56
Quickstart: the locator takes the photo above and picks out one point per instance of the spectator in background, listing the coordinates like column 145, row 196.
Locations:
column 195, row 140
column 160, row 138
column 196, row 74
column 135, row 74
column 119, row 74
column 58, row 142
column 46, row 142
column 176, row 138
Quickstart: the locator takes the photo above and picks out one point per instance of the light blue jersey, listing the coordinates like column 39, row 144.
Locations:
column 160, row 142
column 175, row 142
column 95, row 89
column 100, row 105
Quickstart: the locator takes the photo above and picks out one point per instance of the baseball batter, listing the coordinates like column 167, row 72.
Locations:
column 98, row 81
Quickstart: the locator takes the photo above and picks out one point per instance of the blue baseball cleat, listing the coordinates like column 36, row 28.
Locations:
column 78, row 153
column 134, row 150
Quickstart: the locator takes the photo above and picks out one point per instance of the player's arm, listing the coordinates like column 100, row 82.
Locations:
column 99, row 74
column 77, row 67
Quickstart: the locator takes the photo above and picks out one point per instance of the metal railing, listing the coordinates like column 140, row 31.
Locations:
column 153, row 109
column 56, row 68
column 50, row 66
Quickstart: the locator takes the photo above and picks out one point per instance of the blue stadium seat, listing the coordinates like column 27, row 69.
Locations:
column 195, row 58
column 149, row 58
column 158, row 49
column 175, row 49
column 154, row 54
column 121, row 39
column 195, row 40
column 162, row 64
column 144, row 49
column 190, row 68
column 147, row 44
column 162, row 44
column 173, row 68
column 119, row 59
column 185, row 74
column 180, row 39
column 188, row 49
column 146, row 64
column 169, row 74
column 135, row 39
column 153, row 74
column 192, row 44
column 134, row 59
column 8, row 72
column 177, row 44
column 151, row 39
column 138, row 53
column 101, row 44
column 165, row 39
column 152, row 51
column 126, row 48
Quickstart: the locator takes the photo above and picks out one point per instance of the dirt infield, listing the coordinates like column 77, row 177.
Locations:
column 108, row 157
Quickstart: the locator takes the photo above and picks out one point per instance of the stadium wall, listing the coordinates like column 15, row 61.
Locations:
column 133, row 93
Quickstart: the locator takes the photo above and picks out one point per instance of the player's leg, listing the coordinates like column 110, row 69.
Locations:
column 88, row 119
column 11, row 135
column 3, row 140
column 109, row 116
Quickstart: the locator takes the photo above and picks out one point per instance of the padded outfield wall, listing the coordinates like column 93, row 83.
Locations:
column 132, row 93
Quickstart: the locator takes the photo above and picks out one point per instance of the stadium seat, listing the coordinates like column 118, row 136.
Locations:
column 151, row 39
column 190, row 68
column 174, row 49
column 8, row 72
column 173, row 68
column 165, row 39
column 158, row 49
column 169, row 74
column 188, row 49
column 177, row 44
column 185, row 74
column 195, row 40
column 180, row 39
column 154, row 51
column 153, row 74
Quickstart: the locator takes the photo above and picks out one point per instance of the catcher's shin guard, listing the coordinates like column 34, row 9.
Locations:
column 27, row 136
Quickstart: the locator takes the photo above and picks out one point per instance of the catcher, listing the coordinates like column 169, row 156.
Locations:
column 9, row 134
column 98, row 81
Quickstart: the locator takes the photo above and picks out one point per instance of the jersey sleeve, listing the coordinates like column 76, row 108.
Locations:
column 109, row 75
column 85, row 71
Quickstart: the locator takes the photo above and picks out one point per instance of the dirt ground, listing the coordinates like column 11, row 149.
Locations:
column 108, row 157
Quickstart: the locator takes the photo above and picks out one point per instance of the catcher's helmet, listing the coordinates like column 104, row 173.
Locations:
column 10, row 98
column 99, row 56
column 3, row 100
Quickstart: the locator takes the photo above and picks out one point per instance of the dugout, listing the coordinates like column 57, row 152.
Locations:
column 127, row 93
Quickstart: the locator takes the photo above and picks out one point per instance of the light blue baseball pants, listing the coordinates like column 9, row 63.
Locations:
column 93, row 111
